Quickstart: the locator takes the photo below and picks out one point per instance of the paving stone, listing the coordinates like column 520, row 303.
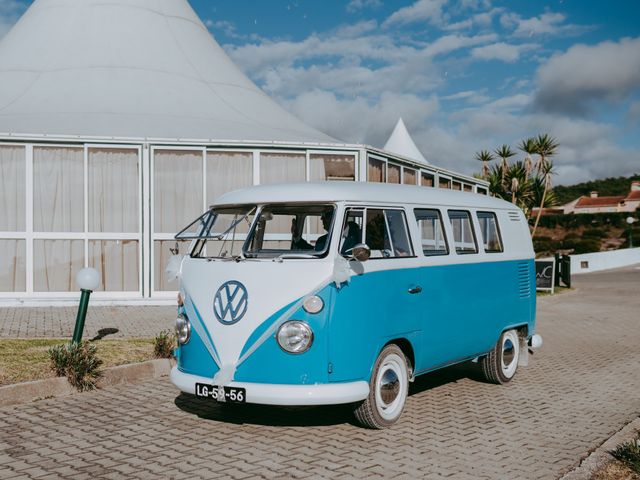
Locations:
column 578, row 390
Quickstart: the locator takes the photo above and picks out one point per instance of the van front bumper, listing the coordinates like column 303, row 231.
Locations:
column 286, row 395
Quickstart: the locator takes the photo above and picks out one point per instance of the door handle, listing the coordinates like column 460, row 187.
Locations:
column 416, row 289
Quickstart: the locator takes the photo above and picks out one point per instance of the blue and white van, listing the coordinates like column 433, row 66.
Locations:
column 335, row 293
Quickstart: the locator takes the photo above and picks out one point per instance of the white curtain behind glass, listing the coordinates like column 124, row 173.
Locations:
column 332, row 167
column 177, row 185
column 114, row 197
column 58, row 189
column 227, row 171
column 56, row 263
column 282, row 167
column 12, row 266
column 12, row 189
column 113, row 190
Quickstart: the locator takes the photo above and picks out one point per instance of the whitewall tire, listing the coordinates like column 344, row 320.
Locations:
column 388, row 390
column 501, row 364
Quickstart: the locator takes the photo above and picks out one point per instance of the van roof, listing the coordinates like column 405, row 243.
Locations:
column 359, row 192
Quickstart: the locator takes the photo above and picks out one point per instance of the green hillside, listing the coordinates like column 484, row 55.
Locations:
column 606, row 187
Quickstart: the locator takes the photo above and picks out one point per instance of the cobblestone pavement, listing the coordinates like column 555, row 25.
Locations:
column 580, row 389
column 58, row 322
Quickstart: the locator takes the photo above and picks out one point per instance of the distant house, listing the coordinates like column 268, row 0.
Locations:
column 596, row 204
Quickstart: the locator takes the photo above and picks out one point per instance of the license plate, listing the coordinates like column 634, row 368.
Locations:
column 231, row 394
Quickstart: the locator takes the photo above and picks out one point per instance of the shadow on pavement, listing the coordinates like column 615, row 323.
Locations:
column 308, row 416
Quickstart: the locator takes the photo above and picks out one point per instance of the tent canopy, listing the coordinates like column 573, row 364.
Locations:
column 131, row 68
column 401, row 143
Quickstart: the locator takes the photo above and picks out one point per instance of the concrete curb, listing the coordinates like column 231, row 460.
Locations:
column 27, row 392
column 600, row 457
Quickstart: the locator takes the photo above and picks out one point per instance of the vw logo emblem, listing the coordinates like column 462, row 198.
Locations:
column 230, row 303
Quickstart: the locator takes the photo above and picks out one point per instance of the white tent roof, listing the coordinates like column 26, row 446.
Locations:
column 401, row 143
column 131, row 68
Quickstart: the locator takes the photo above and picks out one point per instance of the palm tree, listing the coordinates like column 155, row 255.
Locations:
column 528, row 146
column 484, row 156
column 546, row 147
column 504, row 152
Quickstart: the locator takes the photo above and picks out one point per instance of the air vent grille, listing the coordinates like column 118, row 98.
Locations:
column 514, row 216
column 524, row 280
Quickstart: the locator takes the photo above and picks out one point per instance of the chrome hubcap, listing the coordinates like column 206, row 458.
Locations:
column 389, row 386
column 508, row 352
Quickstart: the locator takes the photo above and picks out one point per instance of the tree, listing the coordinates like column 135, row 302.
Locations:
column 546, row 147
column 528, row 146
column 484, row 156
column 504, row 152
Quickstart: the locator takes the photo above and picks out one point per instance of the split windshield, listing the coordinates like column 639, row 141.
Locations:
column 269, row 231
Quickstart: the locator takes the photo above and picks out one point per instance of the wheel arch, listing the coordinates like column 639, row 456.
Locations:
column 407, row 349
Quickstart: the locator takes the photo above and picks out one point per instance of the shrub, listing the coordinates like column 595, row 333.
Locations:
column 163, row 344
column 594, row 233
column 78, row 362
column 587, row 245
column 629, row 454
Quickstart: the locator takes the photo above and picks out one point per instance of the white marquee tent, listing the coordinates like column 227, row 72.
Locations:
column 120, row 121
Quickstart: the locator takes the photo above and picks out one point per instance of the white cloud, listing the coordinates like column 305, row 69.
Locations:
column 501, row 51
column 355, row 5
column 449, row 43
column 356, row 120
column 430, row 11
column 549, row 23
column 633, row 114
column 571, row 81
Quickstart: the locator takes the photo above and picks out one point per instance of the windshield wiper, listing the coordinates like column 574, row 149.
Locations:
column 234, row 224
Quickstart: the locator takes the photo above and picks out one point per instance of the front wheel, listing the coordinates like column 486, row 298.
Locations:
column 388, row 390
column 501, row 363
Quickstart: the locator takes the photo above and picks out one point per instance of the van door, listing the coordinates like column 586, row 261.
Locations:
column 376, row 306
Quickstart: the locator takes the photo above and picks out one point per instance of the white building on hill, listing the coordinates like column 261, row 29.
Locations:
column 120, row 121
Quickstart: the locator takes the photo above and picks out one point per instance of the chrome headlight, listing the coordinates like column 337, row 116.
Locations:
column 313, row 304
column 295, row 336
column 183, row 329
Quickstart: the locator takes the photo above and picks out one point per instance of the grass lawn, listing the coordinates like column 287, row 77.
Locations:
column 27, row 359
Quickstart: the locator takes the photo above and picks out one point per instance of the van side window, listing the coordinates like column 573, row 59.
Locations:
column 431, row 232
column 490, row 232
column 464, row 238
column 384, row 230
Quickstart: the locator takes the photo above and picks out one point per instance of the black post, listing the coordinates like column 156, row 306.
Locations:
column 82, row 315
column 558, row 269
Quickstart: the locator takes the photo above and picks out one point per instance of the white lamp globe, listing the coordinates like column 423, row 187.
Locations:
column 88, row 279
column 630, row 220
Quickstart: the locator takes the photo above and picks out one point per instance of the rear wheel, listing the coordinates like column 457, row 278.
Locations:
column 388, row 390
column 500, row 365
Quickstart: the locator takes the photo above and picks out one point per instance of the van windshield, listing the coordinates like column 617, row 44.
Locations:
column 291, row 231
column 219, row 232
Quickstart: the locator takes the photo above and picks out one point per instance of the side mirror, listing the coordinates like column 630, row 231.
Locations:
column 361, row 252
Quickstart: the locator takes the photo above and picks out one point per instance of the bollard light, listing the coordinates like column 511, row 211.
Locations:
column 88, row 279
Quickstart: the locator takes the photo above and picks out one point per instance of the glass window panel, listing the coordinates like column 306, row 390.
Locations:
column 12, row 188
column 386, row 234
column 377, row 171
column 162, row 254
column 410, row 177
column 282, row 167
column 177, row 181
column 482, row 191
column 227, row 171
column 12, row 266
column 456, row 185
column 444, row 182
column 58, row 189
column 351, row 231
column 427, row 179
column 113, row 190
column 464, row 238
column 393, row 172
column 490, row 232
column 56, row 263
column 467, row 187
column 431, row 232
column 118, row 263
column 332, row 167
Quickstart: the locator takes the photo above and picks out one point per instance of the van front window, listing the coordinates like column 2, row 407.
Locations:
column 291, row 231
column 219, row 232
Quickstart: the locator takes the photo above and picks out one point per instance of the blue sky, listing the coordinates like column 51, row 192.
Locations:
column 464, row 74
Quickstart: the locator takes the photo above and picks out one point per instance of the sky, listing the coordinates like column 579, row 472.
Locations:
column 464, row 75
